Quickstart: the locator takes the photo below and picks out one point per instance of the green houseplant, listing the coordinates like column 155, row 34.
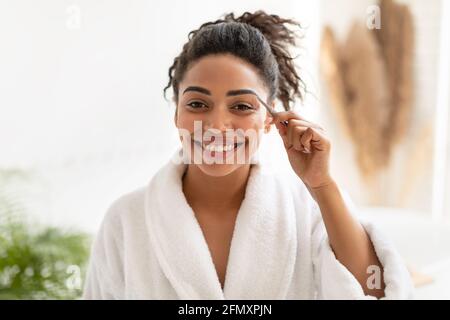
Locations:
column 37, row 262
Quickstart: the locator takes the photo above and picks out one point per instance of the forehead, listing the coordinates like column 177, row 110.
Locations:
column 221, row 73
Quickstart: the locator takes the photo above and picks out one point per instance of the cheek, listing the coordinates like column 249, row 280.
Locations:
column 253, row 121
column 185, row 120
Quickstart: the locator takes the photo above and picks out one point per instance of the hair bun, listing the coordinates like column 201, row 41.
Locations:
column 280, row 38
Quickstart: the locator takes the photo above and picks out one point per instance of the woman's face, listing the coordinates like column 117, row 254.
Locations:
column 219, row 118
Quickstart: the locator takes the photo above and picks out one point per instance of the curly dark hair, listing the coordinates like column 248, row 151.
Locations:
column 259, row 38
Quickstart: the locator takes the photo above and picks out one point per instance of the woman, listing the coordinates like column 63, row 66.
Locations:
column 214, row 223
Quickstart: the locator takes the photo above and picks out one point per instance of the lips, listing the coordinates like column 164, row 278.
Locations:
column 214, row 147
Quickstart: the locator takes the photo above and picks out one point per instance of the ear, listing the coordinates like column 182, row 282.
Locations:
column 268, row 120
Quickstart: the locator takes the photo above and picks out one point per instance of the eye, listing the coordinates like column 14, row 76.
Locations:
column 242, row 107
column 196, row 105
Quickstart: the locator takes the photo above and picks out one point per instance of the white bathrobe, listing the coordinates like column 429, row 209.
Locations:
column 150, row 246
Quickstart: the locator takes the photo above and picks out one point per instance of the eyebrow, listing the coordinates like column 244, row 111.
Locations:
column 197, row 89
column 241, row 91
column 230, row 93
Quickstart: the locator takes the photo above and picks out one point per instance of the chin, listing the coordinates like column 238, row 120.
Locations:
column 219, row 170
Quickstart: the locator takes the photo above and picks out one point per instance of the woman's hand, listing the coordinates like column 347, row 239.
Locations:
column 307, row 147
column 308, row 151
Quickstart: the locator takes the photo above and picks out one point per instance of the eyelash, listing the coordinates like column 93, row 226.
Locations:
column 195, row 102
column 247, row 107
column 235, row 107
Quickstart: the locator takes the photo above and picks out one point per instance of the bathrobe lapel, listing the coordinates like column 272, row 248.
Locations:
column 263, row 247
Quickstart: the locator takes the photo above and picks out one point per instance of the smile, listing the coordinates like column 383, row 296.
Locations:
column 212, row 147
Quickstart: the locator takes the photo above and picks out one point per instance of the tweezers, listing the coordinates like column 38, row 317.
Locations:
column 271, row 112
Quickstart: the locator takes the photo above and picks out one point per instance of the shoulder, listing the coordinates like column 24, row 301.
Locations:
column 123, row 211
column 127, row 204
column 105, row 277
column 109, row 241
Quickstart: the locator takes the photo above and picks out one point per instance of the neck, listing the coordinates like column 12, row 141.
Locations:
column 215, row 192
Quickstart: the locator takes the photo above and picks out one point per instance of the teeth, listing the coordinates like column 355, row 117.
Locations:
column 219, row 148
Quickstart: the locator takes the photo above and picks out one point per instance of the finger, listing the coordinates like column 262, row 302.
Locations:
column 301, row 138
column 318, row 140
column 294, row 134
column 304, row 123
column 299, row 132
column 305, row 140
column 282, row 130
column 288, row 116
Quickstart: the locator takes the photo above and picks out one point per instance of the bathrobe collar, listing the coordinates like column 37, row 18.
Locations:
column 263, row 247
